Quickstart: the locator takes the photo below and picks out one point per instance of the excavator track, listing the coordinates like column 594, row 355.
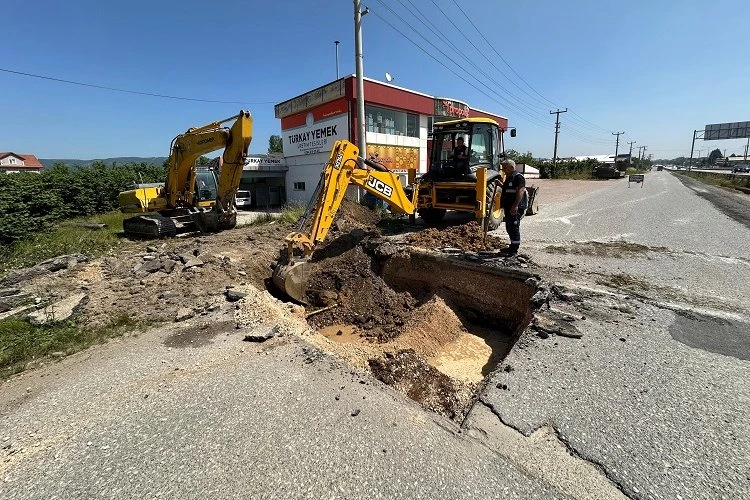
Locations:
column 151, row 227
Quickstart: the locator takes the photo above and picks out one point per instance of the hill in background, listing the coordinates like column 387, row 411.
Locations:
column 154, row 160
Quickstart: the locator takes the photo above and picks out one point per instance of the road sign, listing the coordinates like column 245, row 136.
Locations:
column 734, row 130
column 637, row 178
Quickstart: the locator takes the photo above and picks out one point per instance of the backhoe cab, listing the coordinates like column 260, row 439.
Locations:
column 463, row 182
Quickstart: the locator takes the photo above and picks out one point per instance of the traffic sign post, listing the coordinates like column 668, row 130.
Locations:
column 637, row 178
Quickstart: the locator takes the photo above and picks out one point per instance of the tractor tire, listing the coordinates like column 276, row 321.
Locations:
column 432, row 215
column 494, row 210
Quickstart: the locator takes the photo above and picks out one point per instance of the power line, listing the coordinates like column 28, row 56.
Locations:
column 532, row 107
column 456, row 64
column 492, row 46
column 617, row 144
column 535, row 120
column 151, row 94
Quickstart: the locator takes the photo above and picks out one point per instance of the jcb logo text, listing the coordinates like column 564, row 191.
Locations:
column 380, row 186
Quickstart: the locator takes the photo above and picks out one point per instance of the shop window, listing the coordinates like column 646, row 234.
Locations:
column 391, row 121
column 299, row 186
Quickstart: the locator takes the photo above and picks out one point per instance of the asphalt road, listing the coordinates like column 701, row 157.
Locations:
column 653, row 399
column 656, row 391
column 228, row 419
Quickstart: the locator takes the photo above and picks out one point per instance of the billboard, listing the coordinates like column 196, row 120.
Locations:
column 734, row 130
column 397, row 158
column 451, row 107
column 315, row 136
column 321, row 95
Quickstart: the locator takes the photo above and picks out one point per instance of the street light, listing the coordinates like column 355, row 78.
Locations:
column 337, row 58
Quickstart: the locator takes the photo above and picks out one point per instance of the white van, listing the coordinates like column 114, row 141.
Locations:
column 242, row 199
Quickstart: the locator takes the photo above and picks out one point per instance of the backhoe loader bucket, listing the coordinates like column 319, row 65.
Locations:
column 292, row 279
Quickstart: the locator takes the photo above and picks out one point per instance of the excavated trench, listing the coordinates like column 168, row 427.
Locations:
column 431, row 326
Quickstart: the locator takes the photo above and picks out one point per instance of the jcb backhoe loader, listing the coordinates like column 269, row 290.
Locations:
column 449, row 184
column 192, row 199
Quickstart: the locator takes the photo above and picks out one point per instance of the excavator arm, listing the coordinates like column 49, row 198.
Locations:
column 233, row 161
column 343, row 168
column 188, row 147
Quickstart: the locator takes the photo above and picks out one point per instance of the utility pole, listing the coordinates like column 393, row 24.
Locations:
column 640, row 148
column 557, row 131
column 631, row 151
column 746, row 147
column 337, row 58
column 362, row 142
column 644, row 152
column 617, row 144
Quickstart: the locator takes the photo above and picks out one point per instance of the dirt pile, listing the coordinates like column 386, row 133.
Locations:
column 467, row 237
column 431, row 326
column 362, row 298
column 351, row 215
column 160, row 280
column 258, row 309
column 408, row 372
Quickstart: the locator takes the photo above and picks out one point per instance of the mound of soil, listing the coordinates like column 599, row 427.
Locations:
column 363, row 299
column 468, row 237
column 352, row 215
column 154, row 280
column 432, row 389
column 431, row 326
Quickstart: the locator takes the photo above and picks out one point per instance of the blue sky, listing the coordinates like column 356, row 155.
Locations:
column 655, row 69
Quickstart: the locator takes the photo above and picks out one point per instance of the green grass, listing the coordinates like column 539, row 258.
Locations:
column 721, row 180
column 291, row 213
column 63, row 239
column 22, row 343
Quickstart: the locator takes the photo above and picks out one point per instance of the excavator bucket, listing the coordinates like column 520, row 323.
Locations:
column 292, row 279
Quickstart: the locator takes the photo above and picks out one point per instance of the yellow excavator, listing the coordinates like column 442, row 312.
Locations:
column 192, row 199
column 467, row 184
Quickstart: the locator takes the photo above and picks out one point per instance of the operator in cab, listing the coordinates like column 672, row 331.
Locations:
column 514, row 202
column 460, row 156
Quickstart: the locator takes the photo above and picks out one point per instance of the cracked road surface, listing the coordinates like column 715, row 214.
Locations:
column 229, row 419
column 656, row 391
column 653, row 400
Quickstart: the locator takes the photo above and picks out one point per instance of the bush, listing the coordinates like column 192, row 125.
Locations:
column 568, row 169
column 32, row 203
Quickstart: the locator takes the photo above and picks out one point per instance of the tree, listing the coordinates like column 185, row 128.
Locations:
column 715, row 155
column 275, row 144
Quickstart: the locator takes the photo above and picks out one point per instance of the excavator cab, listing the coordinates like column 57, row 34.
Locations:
column 205, row 188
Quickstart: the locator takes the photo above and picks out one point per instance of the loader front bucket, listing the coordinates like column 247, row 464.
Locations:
column 292, row 279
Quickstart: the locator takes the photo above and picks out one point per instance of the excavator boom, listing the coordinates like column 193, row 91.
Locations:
column 175, row 207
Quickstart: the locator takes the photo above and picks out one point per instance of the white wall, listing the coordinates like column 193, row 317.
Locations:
column 305, row 169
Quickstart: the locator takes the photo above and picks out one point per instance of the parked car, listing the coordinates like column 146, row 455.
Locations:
column 741, row 169
column 243, row 199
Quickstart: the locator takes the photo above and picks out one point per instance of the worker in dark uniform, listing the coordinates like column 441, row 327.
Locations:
column 460, row 156
column 514, row 202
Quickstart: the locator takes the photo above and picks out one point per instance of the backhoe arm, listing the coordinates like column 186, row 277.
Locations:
column 343, row 168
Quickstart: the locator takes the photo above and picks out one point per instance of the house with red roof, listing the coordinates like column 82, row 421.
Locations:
column 13, row 163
